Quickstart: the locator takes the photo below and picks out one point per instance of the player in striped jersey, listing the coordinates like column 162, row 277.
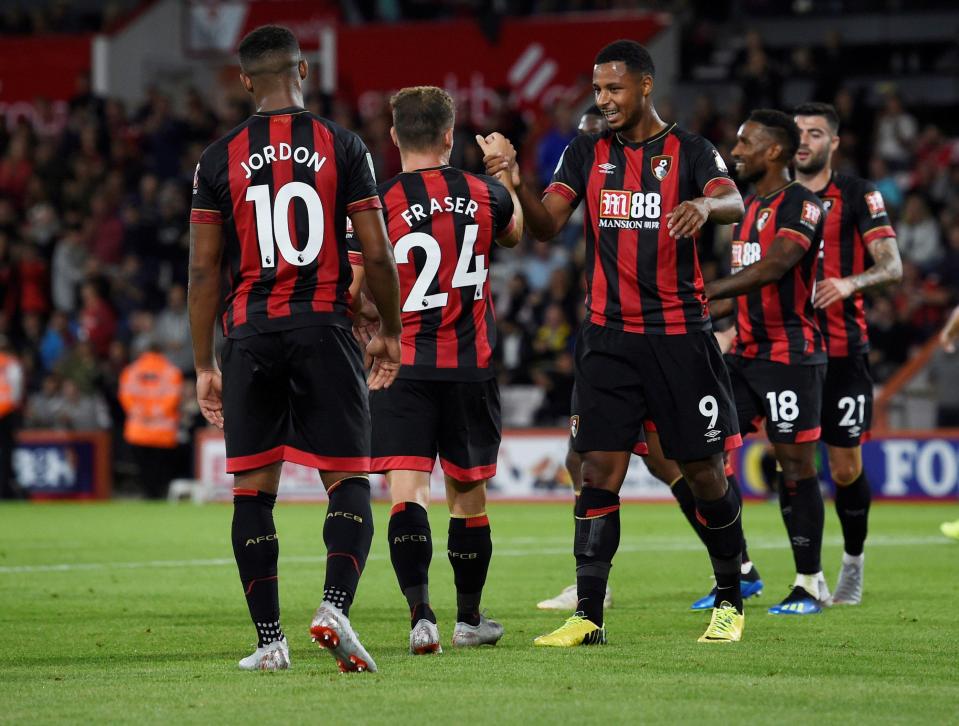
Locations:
column 857, row 230
column 778, row 360
column 646, row 349
column 442, row 223
column 666, row 470
column 270, row 207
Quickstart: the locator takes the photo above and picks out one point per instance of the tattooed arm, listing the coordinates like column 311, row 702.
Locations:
column 887, row 269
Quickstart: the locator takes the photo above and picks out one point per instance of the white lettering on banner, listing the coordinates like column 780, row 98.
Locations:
column 933, row 466
column 900, row 456
column 43, row 468
column 941, row 451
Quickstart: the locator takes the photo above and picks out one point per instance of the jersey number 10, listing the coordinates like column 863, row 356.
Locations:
column 273, row 226
column 418, row 299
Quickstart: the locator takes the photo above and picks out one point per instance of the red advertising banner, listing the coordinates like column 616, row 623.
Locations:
column 535, row 60
column 42, row 65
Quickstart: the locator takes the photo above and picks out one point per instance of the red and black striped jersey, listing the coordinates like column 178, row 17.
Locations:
column 639, row 278
column 777, row 322
column 282, row 184
column 856, row 216
column 442, row 223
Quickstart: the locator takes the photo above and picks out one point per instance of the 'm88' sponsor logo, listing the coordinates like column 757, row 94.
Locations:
column 744, row 254
column 620, row 207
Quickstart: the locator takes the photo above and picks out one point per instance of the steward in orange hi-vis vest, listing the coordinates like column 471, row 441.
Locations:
column 150, row 389
column 11, row 378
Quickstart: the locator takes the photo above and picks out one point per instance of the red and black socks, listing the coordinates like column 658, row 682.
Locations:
column 256, row 549
column 348, row 534
column 470, row 549
column 411, row 551
column 596, row 541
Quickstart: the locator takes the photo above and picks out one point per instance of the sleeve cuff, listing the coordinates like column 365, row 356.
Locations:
column 356, row 258
column 361, row 205
column 878, row 233
column 509, row 228
column 795, row 236
column 564, row 190
column 205, row 216
column 715, row 183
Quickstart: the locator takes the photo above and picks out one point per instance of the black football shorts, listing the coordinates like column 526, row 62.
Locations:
column 788, row 397
column 414, row 420
column 678, row 381
column 296, row 395
column 847, row 401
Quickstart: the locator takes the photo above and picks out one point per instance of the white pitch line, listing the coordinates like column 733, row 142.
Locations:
column 649, row 546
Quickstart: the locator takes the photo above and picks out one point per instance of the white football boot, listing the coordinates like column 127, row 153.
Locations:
column 274, row 656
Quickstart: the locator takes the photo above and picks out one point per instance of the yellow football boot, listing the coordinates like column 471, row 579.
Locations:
column 577, row 630
column 950, row 529
column 726, row 625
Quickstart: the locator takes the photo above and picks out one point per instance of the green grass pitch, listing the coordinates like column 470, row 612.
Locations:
column 132, row 612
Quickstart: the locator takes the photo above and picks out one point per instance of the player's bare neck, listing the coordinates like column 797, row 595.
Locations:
column 273, row 98
column 775, row 179
column 419, row 160
column 815, row 182
column 649, row 126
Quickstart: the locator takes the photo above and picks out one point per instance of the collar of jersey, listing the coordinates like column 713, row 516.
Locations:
column 427, row 168
column 651, row 139
column 281, row 111
column 779, row 191
column 832, row 180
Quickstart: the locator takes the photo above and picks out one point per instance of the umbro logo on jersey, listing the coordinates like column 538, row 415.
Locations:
column 712, row 436
column 784, row 427
column 606, row 168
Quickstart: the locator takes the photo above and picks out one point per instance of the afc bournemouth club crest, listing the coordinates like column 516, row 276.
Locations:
column 573, row 425
column 661, row 166
column 763, row 218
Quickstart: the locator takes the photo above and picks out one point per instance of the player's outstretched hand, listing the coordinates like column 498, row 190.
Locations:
column 950, row 333
column 499, row 156
column 687, row 218
column 209, row 394
column 385, row 352
column 832, row 290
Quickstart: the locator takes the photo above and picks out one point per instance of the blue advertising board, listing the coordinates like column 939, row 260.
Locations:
column 63, row 465
column 899, row 465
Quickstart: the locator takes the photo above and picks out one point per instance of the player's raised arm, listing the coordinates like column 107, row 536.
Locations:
column 203, row 299
column 720, row 203
column 512, row 212
column 544, row 217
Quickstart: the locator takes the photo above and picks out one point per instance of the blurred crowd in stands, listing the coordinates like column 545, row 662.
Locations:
column 94, row 237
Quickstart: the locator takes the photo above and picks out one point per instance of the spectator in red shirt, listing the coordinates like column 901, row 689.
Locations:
column 104, row 232
column 98, row 322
